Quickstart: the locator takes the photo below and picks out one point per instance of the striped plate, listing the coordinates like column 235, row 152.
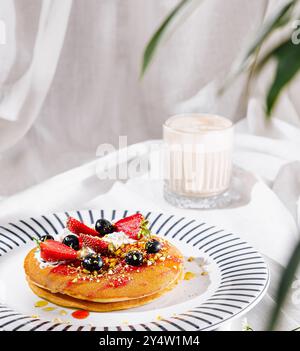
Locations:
column 229, row 278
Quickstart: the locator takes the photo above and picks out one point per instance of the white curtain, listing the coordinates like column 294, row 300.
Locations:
column 69, row 76
column 69, row 80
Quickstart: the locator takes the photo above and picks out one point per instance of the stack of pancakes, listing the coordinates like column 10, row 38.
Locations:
column 108, row 292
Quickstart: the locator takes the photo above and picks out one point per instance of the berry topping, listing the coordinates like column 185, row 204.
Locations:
column 92, row 263
column 134, row 258
column 153, row 246
column 56, row 251
column 72, row 241
column 103, row 226
column 94, row 243
column 134, row 226
column 46, row 237
column 77, row 227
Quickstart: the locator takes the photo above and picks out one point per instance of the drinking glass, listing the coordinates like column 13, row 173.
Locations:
column 198, row 160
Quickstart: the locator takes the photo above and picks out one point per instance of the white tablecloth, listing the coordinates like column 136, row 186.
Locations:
column 267, row 218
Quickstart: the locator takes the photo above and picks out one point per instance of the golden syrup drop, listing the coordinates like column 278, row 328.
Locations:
column 49, row 309
column 41, row 303
column 35, row 316
column 189, row 275
column 63, row 313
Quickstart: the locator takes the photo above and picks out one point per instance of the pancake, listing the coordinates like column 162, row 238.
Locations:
column 71, row 302
column 122, row 283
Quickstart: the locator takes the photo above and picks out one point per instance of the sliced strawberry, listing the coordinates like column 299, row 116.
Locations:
column 134, row 226
column 80, row 242
column 77, row 227
column 94, row 243
column 52, row 251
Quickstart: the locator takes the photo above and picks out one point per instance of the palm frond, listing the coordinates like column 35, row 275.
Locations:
column 156, row 38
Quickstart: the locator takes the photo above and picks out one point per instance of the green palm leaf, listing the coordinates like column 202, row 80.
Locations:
column 152, row 45
column 287, row 57
column 278, row 20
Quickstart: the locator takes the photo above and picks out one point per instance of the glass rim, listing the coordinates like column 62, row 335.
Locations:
column 199, row 114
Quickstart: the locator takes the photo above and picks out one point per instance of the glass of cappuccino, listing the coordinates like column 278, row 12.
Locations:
column 198, row 160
